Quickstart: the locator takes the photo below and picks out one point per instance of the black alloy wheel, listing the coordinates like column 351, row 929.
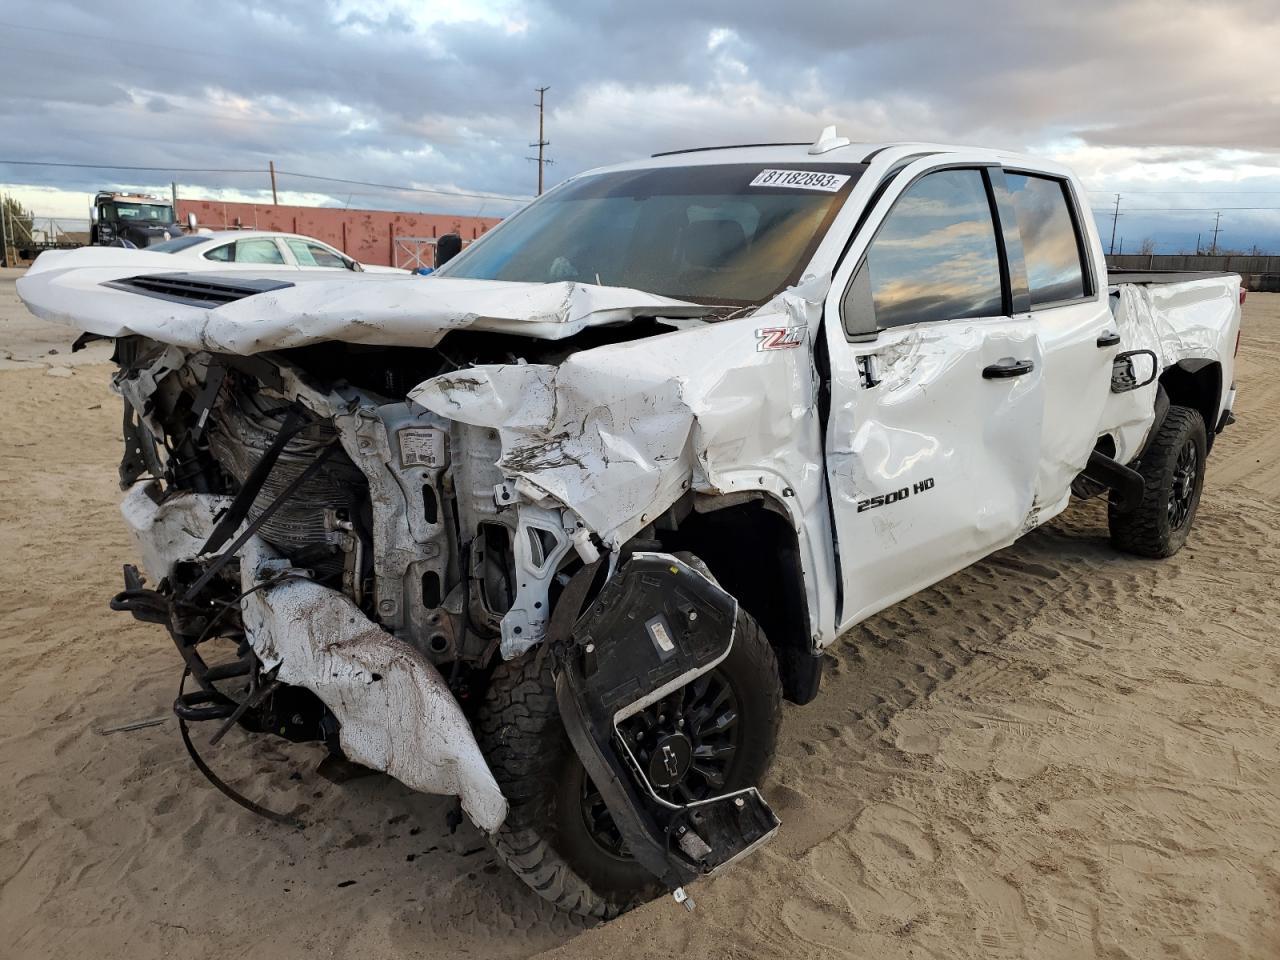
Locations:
column 686, row 743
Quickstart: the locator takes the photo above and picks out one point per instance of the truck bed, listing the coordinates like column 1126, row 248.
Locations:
column 1163, row 276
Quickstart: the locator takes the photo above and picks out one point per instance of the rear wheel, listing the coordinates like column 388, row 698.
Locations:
column 1172, row 469
column 558, row 836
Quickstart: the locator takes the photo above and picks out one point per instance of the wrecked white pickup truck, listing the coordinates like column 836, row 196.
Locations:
column 557, row 529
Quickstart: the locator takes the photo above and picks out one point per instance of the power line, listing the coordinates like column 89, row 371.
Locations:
column 261, row 170
column 1192, row 209
column 388, row 186
column 1208, row 192
column 117, row 166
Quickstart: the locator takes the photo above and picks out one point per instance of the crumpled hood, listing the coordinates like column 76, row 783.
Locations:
column 369, row 308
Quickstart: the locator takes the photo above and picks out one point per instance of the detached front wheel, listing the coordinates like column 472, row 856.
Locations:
column 559, row 837
column 1172, row 469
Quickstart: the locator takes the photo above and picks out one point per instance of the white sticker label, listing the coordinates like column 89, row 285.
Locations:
column 421, row 447
column 801, row 180
column 660, row 636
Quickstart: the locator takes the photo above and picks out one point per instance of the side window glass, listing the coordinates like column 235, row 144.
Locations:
column 1050, row 244
column 314, row 255
column 325, row 257
column 222, row 254
column 935, row 256
column 260, row 250
column 301, row 253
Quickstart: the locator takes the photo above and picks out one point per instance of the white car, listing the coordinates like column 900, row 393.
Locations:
column 257, row 250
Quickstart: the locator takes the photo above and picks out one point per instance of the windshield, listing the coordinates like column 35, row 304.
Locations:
column 176, row 244
column 723, row 234
column 141, row 212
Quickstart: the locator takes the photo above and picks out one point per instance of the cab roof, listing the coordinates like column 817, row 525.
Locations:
column 829, row 148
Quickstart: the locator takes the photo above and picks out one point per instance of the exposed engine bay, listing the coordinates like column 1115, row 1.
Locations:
column 339, row 565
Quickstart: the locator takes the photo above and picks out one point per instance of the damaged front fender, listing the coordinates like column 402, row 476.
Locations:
column 619, row 433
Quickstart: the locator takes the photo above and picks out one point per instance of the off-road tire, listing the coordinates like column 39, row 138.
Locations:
column 544, row 839
column 1148, row 530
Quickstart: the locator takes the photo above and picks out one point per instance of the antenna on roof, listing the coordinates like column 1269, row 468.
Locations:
column 827, row 140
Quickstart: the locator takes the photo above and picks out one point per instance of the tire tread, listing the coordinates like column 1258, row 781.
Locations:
column 1144, row 530
column 521, row 734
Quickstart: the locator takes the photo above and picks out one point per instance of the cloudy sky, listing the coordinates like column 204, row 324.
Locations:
column 1171, row 104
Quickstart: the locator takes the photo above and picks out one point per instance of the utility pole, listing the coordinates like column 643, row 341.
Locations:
column 1114, row 217
column 542, row 142
column 4, row 233
column 275, row 202
column 1213, row 250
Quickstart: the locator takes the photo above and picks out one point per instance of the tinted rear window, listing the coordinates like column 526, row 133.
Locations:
column 176, row 244
column 1050, row 243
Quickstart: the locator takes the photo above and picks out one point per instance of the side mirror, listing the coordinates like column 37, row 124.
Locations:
column 1133, row 369
column 447, row 247
column 191, row 221
column 93, row 214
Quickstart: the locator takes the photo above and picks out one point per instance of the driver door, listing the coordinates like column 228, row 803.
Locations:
column 936, row 400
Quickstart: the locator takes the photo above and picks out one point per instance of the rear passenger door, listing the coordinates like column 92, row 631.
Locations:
column 261, row 252
column 1078, row 336
column 936, row 395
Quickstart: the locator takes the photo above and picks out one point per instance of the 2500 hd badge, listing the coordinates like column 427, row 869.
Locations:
column 895, row 496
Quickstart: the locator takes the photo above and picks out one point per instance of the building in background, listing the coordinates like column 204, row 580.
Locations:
column 384, row 237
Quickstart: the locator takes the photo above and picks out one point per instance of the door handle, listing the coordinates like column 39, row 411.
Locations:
column 1108, row 338
column 1006, row 368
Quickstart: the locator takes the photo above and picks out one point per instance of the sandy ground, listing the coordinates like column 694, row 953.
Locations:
column 1059, row 752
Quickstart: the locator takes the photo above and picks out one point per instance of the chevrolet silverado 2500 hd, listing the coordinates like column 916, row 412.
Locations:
column 558, row 528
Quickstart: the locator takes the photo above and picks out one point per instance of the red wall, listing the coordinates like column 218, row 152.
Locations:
column 367, row 235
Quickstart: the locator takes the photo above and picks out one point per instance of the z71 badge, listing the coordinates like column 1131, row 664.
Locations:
column 780, row 338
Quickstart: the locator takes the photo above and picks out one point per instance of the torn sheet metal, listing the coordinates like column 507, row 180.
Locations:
column 169, row 532
column 366, row 308
column 1189, row 320
column 396, row 712
column 1128, row 417
column 620, row 432
column 542, row 539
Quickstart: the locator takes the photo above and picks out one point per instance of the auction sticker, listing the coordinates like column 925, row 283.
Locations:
column 801, row 180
